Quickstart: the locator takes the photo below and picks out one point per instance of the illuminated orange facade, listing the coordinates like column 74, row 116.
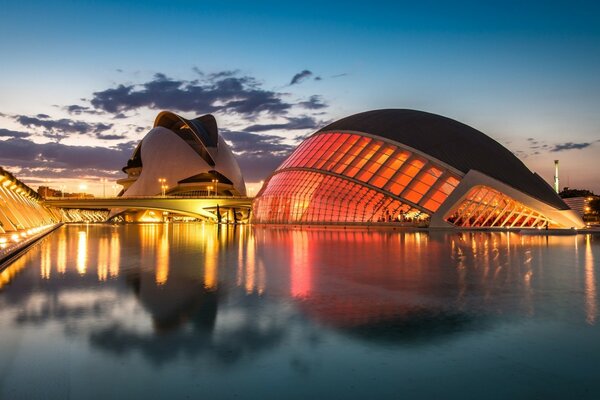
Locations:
column 404, row 167
column 345, row 177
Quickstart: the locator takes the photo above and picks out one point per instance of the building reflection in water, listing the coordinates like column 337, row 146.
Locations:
column 103, row 253
column 251, row 274
column 162, row 254
column 61, row 253
column 82, row 250
column 377, row 286
column 300, row 265
column 115, row 254
column 591, row 302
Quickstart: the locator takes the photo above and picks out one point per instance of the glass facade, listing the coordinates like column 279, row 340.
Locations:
column 347, row 177
column 487, row 207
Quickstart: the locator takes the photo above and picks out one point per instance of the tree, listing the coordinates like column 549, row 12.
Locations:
column 568, row 192
column 594, row 205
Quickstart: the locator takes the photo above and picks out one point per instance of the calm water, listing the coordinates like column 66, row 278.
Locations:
column 189, row 311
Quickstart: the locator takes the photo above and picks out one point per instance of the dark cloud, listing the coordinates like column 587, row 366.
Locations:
column 44, row 157
column 258, row 154
column 293, row 123
column 225, row 93
column 313, row 103
column 300, row 76
column 111, row 137
column 43, row 116
column 76, row 109
column 318, row 78
column 63, row 126
column 13, row 134
column 569, row 146
column 339, row 75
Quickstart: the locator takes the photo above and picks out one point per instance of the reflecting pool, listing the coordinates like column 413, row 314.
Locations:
column 152, row 311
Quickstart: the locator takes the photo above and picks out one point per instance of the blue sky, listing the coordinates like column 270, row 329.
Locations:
column 525, row 74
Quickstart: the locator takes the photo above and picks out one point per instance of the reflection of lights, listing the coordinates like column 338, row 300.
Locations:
column 300, row 273
column 210, row 263
column 61, row 256
column 15, row 237
column 250, row 265
column 591, row 307
column 46, row 262
column 115, row 255
column 81, row 252
column 102, row 259
column 162, row 259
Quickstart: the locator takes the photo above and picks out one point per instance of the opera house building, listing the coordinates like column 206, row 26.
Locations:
column 183, row 158
column 408, row 167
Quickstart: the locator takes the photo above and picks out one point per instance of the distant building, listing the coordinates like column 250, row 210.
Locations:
column 185, row 158
column 406, row 166
column 581, row 205
column 47, row 192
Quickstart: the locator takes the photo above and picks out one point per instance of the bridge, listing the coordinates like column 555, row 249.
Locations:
column 196, row 207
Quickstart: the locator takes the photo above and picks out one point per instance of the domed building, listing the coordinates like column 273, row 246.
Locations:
column 184, row 158
column 408, row 167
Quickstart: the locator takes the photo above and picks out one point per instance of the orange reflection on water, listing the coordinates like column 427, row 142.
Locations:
column 591, row 305
column 82, row 250
column 46, row 261
column 102, row 259
column 115, row 255
column 61, row 254
column 210, row 264
column 300, row 265
column 162, row 257
column 10, row 272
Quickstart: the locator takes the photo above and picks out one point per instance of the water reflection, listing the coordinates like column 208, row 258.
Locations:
column 591, row 303
column 82, row 252
column 228, row 295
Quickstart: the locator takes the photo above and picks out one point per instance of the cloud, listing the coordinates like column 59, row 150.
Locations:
column 41, row 159
column 13, row 134
column 76, row 109
column 339, row 75
column 300, row 76
column 62, row 126
column 293, row 123
column 221, row 92
column 570, row 146
column 257, row 154
column 313, row 103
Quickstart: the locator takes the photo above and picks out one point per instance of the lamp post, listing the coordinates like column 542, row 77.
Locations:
column 114, row 188
column 103, row 180
column 216, row 182
column 209, row 189
column 163, row 186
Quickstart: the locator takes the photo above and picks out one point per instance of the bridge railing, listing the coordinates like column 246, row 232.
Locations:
column 148, row 197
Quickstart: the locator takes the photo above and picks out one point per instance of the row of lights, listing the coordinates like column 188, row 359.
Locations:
column 164, row 186
column 17, row 237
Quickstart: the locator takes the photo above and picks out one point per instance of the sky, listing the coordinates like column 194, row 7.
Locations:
column 82, row 81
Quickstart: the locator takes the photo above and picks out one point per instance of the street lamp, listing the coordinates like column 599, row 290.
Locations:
column 163, row 185
column 216, row 182
column 209, row 189
column 103, row 180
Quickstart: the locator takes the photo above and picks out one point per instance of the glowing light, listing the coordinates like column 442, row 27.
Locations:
column 102, row 268
column 591, row 304
column 61, row 256
column 82, row 252
column 115, row 255
column 162, row 259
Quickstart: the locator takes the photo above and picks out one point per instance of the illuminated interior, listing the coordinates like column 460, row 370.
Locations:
column 486, row 207
column 347, row 177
